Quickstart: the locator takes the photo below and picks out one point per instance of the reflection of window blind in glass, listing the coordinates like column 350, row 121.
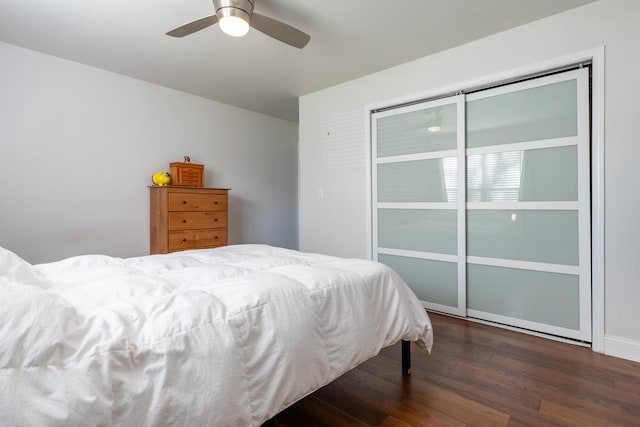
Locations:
column 450, row 171
column 494, row 177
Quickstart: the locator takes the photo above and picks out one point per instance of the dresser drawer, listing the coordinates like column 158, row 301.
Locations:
column 197, row 202
column 196, row 220
column 196, row 239
column 188, row 218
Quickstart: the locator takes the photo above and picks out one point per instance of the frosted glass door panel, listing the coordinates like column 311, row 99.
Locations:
column 525, row 235
column 418, row 230
column 538, row 113
column 549, row 174
column 418, row 198
column 488, row 213
column 417, row 181
column 433, row 281
column 534, row 296
column 408, row 133
column 528, row 205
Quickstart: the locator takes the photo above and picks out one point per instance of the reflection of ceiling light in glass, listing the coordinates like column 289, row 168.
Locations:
column 434, row 128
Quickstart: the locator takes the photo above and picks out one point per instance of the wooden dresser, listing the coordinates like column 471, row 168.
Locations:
column 188, row 218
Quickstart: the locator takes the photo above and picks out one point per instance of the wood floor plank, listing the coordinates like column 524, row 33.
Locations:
column 628, row 385
column 392, row 421
column 559, row 361
column 479, row 375
column 313, row 412
column 603, row 398
column 519, row 397
column 572, row 416
column 393, row 397
column 347, row 400
column 437, row 398
column 609, row 408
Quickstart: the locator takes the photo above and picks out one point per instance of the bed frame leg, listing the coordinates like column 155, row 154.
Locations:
column 406, row 357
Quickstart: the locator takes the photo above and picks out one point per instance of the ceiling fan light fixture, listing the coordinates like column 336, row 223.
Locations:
column 234, row 16
column 234, row 26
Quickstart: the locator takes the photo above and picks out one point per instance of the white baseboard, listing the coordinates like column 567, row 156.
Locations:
column 622, row 347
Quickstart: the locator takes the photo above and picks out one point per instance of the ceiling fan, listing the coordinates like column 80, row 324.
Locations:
column 236, row 16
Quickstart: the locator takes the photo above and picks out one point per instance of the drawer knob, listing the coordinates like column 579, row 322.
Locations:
column 184, row 202
column 215, row 219
column 184, row 221
column 215, row 237
column 215, row 203
column 184, row 239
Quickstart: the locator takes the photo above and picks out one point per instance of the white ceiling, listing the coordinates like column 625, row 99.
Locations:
column 349, row 39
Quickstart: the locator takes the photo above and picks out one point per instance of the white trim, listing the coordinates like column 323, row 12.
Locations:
column 444, row 309
column 368, row 142
column 373, row 177
column 527, row 324
column 418, row 156
column 597, row 200
column 433, row 256
column 526, row 145
column 584, row 199
column 417, row 205
column 524, row 206
column 622, row 347
column 525, row 265
column 528, row 332
column 462, row 198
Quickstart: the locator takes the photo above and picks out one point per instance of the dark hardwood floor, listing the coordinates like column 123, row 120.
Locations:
column 481, row 376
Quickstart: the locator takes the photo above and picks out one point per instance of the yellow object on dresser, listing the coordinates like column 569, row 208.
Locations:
column 188, row 218
column 161, row 178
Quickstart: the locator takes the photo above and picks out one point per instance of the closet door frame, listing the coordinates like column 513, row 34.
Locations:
column 458, row 206
column 595, row 56
column 582, row 205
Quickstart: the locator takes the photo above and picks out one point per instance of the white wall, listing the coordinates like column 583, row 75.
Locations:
column 78, row 146
column 609, row 23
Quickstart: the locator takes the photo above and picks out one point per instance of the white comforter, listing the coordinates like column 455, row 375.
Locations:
column 228, row 336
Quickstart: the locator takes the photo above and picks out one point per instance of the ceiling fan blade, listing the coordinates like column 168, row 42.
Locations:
column 193, row 26
column 279, row 31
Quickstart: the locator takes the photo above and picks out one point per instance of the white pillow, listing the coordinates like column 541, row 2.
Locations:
column 14, row 268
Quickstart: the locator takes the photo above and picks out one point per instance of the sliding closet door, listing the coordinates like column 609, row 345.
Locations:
column 528, row 207
column 418, row 199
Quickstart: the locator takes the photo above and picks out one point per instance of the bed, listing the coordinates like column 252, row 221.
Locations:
column 227, row 336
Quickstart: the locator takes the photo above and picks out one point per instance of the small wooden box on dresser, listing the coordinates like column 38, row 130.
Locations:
column 188, row 218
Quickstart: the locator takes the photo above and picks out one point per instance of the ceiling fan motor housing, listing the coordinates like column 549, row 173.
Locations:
column 239, row 8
